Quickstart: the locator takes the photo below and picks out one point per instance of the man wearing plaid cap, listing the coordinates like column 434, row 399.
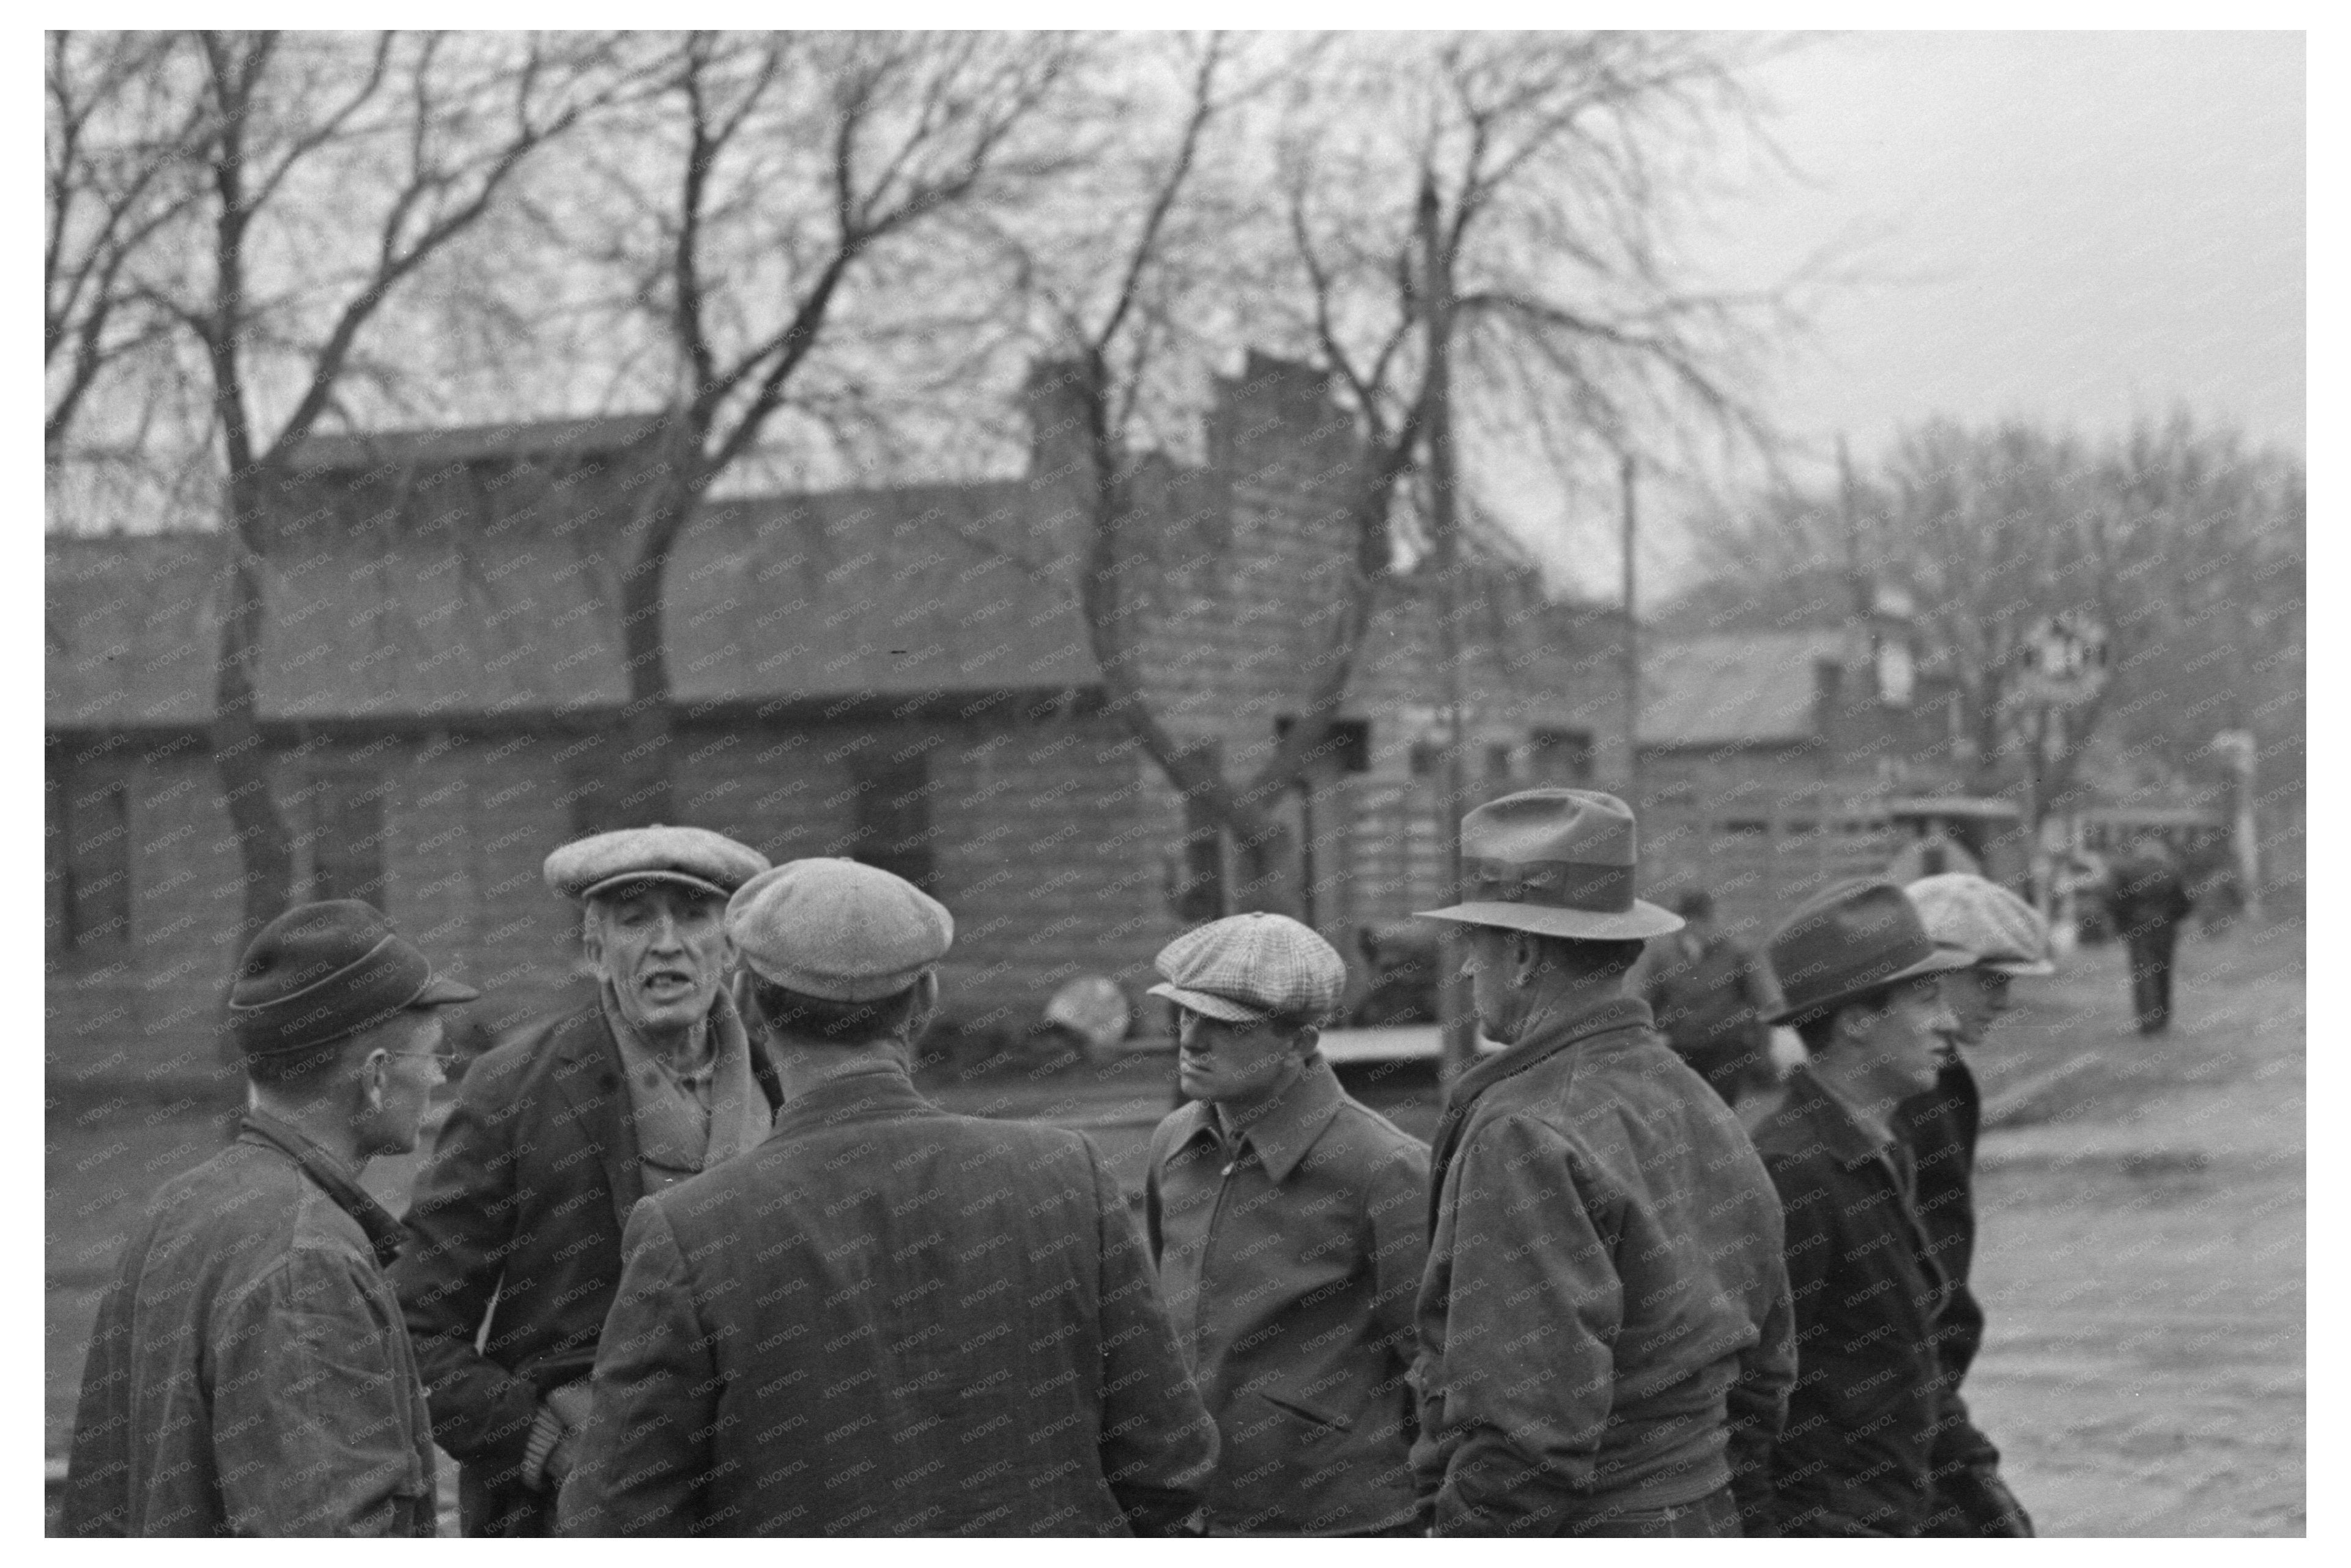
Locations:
column 1285, row 1219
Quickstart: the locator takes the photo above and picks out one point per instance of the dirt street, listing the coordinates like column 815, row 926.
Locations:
column 2140, row 1258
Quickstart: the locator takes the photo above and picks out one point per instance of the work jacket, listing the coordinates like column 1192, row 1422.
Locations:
column 522, row 1205
column 887, row 1320
column 248, row 1375
column 1854, row 1459
column 1605, row 1309
column 1289, row 1260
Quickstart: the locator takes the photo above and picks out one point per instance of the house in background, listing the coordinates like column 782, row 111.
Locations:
column 901, row 674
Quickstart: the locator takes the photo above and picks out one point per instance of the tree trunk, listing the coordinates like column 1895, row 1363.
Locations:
column 644, row 787
column 240, row 759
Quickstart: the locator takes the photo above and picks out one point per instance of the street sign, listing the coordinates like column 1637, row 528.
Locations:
column 2063, row 663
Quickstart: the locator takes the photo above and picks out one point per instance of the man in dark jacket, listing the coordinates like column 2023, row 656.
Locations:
column 1708, row 996
column 1859, row 978
column 2146, row 899
column 887, row 1320
column 516, row 1219
column 1287, row 1222
column 2009, row 939
column 1605, row 1328
column 249, row 1374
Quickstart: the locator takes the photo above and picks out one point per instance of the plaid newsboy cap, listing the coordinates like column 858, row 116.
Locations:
column 1246, row 969
column 2001, row 930
column 693, row 857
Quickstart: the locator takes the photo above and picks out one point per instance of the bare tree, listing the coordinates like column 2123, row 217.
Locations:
column 125, row 119
column 769, row 183
column 328, row 172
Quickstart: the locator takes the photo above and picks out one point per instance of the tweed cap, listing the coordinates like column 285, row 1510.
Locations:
column 1246, row 969
column 1559, row 863
column 2002, row 931
column 1848, row 941
column 695, row 857
column 321, row 972
column 838, row 929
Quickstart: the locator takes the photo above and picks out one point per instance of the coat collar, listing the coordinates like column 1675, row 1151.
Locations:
column 384, row 1234
column 868, row 1092
column 1289, row 1126
column 1551, row 1037
column 1813, row 1117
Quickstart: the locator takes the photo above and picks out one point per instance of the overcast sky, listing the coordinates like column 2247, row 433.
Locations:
column 2076, row 227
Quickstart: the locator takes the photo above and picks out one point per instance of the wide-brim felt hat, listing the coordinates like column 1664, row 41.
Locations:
column 1246, row 969
column 321, row 972
column 1558, row 863
column 690, row 857
column 838, row 929
column 1848, row 941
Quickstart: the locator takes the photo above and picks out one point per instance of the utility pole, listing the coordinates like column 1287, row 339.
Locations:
column 1632, row 646
column 1457, row 1027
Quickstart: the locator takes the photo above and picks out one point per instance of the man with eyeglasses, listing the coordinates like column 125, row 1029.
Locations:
column 249, row 1374
column 2009, row 939
column 516, row 1229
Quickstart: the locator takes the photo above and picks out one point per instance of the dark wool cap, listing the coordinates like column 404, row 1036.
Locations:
column 320, row 972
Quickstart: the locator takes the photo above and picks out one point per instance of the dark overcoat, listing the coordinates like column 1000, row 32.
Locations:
column 517, row 1221
column 888, row 1320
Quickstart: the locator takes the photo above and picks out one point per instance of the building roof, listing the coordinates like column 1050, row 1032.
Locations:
column 854, row 594
column 1737, row 688
column 466, row 444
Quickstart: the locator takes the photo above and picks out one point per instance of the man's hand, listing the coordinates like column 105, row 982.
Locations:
column 1984, row 1501
column 566, row 1409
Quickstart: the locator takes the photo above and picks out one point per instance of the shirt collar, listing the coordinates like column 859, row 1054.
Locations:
column 1287, row 1130
column 340, row 1183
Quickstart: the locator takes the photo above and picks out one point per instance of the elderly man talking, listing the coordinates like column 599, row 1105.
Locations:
column 517, row 1221
column 887, row 1320
column 1604, row 1323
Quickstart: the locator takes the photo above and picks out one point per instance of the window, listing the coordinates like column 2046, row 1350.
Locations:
column 1347, row 742
column 347, row 836
column 1559, row 756
column 94, row 861
column 893, row 814
column 587, row 796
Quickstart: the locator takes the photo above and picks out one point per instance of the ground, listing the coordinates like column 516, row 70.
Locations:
column 2140, row 1259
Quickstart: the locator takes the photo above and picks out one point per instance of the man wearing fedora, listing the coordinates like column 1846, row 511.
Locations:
column 249, row 1374
column 1604, row 1323
column 1285, row 1221
column 885, row 1320
column 1860, row 981
column 2008, row 939
column 516, row 1221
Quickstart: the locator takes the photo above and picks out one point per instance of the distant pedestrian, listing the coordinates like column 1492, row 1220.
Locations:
column 249, row 1374
column 2009, row 940
column 1708, row 993
column 1288, row 1224
column 2146, row 899
column 515, row 1223
column 1605, row 1327
column 1859, row 980
column 885, row 1320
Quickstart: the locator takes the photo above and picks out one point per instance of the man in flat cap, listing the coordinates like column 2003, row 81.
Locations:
column 885, row 1320
column 2008, row 939
column 1604, row 1323
column 249, row 1374
column 518, row 1218
column 1860, row 983
column 1286, row 1223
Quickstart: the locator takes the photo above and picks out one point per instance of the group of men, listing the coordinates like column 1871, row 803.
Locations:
column 701, row 1258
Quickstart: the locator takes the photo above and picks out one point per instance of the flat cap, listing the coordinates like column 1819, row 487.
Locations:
column 1246, row 969
column 695, row 857
column 2004, row 933
column 321, row 972
column 838, row 929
